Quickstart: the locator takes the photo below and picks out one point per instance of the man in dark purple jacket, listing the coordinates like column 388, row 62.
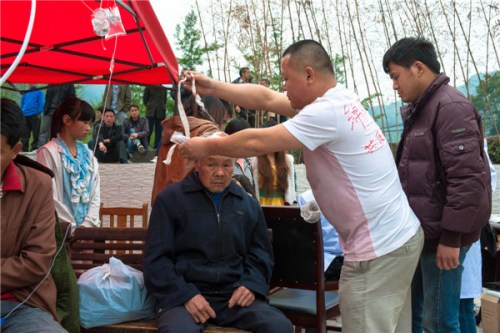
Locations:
column 444, row 173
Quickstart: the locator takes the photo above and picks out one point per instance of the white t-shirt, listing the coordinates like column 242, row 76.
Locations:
column 353, row 175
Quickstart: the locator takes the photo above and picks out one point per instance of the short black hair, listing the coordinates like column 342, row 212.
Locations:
column 236, row 125
column 133, row 106
column 410, row 49
column 243, row 70
column 310, row 53
column 108, row 110
column 12, row 121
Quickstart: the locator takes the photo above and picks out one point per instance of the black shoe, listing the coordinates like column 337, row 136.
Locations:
column 124, row 162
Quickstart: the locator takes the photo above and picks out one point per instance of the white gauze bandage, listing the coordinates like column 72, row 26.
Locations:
column 310, row 212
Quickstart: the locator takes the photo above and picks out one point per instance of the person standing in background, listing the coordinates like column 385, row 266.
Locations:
column 119, row 99
column 155, row 100
column 32, row 104
column 53, row 97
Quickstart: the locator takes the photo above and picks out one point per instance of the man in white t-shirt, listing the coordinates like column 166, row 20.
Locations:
column 352, row 175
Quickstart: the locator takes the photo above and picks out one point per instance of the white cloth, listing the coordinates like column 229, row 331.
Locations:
column 353, row 176
column 331, row 244
column 49, row 156
column 290, row 194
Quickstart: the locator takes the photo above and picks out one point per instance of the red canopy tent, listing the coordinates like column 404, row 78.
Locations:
column 64, row 48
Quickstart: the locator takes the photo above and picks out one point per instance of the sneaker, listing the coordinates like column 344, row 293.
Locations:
column 141, row 149
column 154, row 159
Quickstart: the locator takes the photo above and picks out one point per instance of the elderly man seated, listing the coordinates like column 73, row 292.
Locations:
column 208, row 256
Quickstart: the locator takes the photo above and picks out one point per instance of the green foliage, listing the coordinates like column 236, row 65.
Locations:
column 490, row 84
column 188, row 41
column 494, row 151
column 338, row 67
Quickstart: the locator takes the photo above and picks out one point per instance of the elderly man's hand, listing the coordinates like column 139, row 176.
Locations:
column 242, row 296
column 194, row 148
column 202, row 82
column 199, row 309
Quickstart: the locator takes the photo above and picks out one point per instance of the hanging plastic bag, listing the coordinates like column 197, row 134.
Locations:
column 116, row 27
column 100, row 21
column 113, row 293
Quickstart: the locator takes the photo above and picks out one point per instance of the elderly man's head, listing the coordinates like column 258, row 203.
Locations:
column 215, row 172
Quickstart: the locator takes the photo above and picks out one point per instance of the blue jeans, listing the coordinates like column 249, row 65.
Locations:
column 131, row 144
column 436, row 296
column 28, row 320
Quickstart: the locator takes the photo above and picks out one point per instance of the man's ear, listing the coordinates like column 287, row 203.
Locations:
column 197, row 165
column 15, row 150
column 310, row 74
column 420, row 67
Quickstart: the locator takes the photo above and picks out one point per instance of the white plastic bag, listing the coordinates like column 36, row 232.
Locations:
column 113, row 293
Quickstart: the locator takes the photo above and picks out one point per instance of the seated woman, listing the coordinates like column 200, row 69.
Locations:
column 200, row 121
column 76, row 174
column 274, row 176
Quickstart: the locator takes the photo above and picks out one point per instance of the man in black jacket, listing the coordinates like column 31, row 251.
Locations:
column 208, row 255
column 110, row 144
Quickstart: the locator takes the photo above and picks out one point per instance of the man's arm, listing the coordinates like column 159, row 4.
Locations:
column 246, row 143
column 33, row 261
column 460, row 154
column 168, row 287
column 248, row 96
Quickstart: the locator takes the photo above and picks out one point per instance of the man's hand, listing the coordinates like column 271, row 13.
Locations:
column 194, row 148
column 133, row 136
column 202, row 82
column 241, row 297
column 447, row 257
column 199, row 309
column 102, row 147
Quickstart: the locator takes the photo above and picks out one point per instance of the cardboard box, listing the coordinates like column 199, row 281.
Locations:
column 490, row 312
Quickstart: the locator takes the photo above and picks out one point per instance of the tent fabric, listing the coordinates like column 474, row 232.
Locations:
column 63, row 47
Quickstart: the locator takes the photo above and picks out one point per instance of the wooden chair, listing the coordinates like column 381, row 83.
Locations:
column 302, row 293
column 122, row 217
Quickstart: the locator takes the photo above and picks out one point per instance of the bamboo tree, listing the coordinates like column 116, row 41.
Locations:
column 486, row 98
column 433, row 34
column 454, row 44
column 490, row 34
column 207, row 48
column 351, row 20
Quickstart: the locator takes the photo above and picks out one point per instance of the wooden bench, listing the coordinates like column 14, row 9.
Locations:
column 126, row 244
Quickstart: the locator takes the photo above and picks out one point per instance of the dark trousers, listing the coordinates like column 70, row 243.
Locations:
column 115, row 153
column 32, row 126
column 259, row 317
column 155, row 123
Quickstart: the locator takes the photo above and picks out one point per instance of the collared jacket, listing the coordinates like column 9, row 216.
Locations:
column 28, row 241
column 141, row 127
column 443, row 167
column 179, row 166
column 192, row 248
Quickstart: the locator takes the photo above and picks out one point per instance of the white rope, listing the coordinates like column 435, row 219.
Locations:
column 24, row 46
